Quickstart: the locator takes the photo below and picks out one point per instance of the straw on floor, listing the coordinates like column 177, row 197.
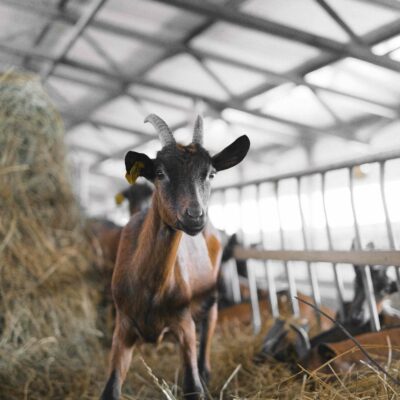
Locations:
column 53, row 341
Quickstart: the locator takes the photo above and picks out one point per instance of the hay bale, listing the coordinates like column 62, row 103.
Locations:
column 47, row 311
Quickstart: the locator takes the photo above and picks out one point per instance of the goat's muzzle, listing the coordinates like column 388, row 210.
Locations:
column 192, row 221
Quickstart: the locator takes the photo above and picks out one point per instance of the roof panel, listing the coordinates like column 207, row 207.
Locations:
column 110, row 51
column 72, row 91
column 160, row 96
column 149, row 17
column 306, row 15
column 71, row 74
column 238, row 80
column 262, row 50
column 58, row 33
column 350, row 75
column 280, row 132
column 173, row 115
column 362, row 17
column 300, row 105
column 102, row 140
column 186, row 73
column 388, row 137
column 123, row 111
column 17, row 19
column 345, row 109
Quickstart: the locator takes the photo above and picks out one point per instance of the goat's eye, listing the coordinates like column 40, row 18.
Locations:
column 212, row 175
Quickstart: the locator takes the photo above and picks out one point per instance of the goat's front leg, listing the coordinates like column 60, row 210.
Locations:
column 207, row 331
column 121, row 355
column 192, row 388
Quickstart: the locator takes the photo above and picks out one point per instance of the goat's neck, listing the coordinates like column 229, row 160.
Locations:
column 157, row 249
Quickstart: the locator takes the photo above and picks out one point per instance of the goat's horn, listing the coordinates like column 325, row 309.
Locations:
column 162, row 129
column 198, row 131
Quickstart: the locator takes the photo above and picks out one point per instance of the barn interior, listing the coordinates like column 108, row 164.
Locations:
column 312, row 213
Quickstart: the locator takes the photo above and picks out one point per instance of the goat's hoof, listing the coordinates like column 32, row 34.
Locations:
column 196, row 393
column 205, row 376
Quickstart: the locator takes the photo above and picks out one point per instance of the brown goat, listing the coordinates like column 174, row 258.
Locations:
column 165, row 277
column 138, row 196
column 344, row 354
column 242, row 312
column 107, row 233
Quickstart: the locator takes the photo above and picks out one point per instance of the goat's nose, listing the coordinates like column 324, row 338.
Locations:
column 194, row 212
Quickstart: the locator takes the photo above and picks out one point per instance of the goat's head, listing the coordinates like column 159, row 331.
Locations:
column 182, row 174
column 383, row 286
column 138, row 197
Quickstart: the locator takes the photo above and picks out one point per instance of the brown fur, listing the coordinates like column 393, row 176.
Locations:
column 242, row 312
column 376, row 344
column 165, row 277
column 162, row 280
column 106, row 235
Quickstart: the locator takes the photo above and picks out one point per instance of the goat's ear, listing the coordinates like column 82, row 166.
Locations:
column 138, row 164
column 231, row 155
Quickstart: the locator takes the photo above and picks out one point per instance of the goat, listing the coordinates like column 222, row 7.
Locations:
column 107, row 233
column 138, row 197
column 165, row 277
column 376, row 344
column 242, row 312
column 356, row 321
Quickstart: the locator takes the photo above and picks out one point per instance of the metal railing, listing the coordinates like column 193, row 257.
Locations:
column 363, row 259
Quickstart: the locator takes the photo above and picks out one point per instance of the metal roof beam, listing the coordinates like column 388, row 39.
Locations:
column 122, row 151
column 220, row 105
column 391, row 4
column 74, row 35
column 378, row 35
column 379, row 108
column 126, row 81
column 336, row 17
column 126, row 129
column 253, row 22
column 170, row 50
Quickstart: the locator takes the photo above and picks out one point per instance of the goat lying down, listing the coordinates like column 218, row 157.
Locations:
column 165, row 276
column 288, row 340
column 242, row 312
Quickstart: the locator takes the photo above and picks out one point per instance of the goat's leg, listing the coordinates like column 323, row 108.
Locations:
column 207, row 331
column 192, row 388
column 121, row 355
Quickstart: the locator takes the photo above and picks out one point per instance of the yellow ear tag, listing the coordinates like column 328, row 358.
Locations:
column 134, row 172
column 119, row 198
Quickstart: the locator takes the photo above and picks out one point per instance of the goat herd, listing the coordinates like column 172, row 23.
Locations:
column 166, row 281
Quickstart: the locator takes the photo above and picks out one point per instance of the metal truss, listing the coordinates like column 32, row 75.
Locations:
column 117, row 83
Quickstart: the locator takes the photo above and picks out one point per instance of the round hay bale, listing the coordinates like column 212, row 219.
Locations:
column 47, row 310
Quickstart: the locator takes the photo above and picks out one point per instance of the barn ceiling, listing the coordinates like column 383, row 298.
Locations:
column 292, row 74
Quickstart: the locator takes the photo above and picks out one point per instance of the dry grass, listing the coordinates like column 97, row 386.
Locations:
column 51, row 343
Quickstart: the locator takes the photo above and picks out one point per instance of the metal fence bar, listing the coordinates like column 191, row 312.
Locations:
column 312, row 275
column 376, row 257
column 336, row 273
column 272, row 296
column 255, row 306
column 389, row 229
column 366, row 272
column 234, row 276
column 289, row 273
